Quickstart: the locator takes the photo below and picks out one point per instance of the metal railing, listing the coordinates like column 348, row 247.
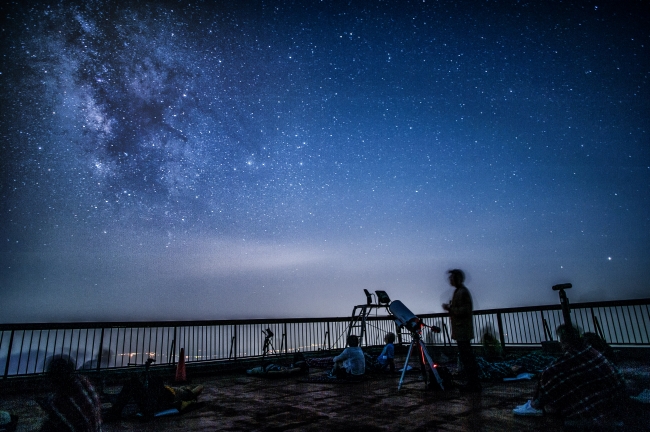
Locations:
column 620, row 323
column 25, row 348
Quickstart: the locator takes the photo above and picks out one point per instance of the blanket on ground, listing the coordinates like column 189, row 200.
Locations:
column 274, row 370
column 533, row 362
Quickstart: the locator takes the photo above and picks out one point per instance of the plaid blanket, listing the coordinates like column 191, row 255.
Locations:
column 77, row 409
column 581, row 383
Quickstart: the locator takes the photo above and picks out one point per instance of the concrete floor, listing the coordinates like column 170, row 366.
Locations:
column 238, row 402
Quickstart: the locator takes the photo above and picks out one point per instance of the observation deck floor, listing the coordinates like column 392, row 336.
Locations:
column 238, row 402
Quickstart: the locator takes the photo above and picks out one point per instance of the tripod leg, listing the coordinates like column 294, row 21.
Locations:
column 431, row 364
column 265, row 348
column 423, row 368
column 406, row 363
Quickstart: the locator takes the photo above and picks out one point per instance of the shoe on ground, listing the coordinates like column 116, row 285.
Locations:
column 527, row 410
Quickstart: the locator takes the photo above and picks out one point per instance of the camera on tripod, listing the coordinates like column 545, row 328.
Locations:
column 267, row 348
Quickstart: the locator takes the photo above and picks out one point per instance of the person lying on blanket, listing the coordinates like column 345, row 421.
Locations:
column 152, row 397
column 351, row 362
column 581, row 385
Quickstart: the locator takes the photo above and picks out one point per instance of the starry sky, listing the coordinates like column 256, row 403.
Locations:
column 255, row 159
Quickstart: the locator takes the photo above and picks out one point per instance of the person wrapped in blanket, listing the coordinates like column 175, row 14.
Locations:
column 75, row 404
column 351, row 363
column 581, row 386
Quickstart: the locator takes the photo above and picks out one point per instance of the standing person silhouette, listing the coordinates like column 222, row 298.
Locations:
column 462, row 328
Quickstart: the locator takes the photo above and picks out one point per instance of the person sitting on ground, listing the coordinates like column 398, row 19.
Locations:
column 387, row 357
column 581, row 385
column 491, row 346
column 75, row 405
column 152, row 396
column 351, row 362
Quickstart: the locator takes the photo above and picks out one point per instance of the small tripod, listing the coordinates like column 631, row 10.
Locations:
column 147, row 365
column 268, row 345
column 424, row 358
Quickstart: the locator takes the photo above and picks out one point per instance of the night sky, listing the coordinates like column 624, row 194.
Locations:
column 253, row 159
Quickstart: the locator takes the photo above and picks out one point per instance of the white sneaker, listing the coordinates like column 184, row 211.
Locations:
column 527, row 410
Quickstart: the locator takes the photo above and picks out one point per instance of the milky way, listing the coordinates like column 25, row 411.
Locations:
column 176, row 160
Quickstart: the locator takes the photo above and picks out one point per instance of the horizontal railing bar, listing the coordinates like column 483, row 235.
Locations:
column 189, row 323
column 612, row 303
column 147, row 324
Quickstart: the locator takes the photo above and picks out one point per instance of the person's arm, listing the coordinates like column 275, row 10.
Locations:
column 345, row 354
column 461, row 305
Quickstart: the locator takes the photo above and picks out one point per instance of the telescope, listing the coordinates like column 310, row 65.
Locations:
column 407, row 319
column 404, row 318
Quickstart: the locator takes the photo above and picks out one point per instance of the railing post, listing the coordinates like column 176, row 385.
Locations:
column 502, row 337
column 172, row 354
column 399, row 334
column 599, row 331
column 101, row 349
column 233, row 343
column 11, row 342
column 329, row 341
column 284, row 342
column 548, row 336
column 445, row 333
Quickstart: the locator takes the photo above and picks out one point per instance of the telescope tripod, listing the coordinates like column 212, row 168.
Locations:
column 424, row 359
column 268, row 344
